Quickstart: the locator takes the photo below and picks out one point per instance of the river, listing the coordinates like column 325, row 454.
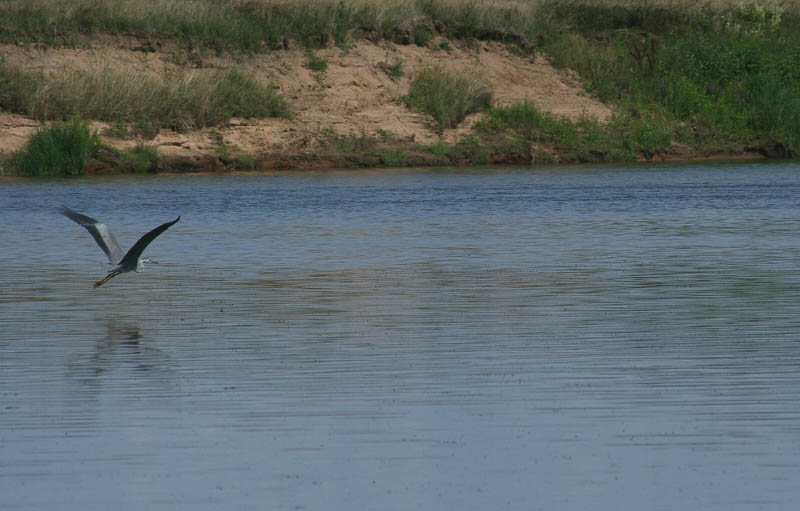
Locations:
column 597, row 338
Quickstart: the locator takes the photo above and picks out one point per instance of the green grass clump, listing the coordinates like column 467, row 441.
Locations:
column 422, row 35
column 395, row 71
column 180, row 100
column 316, row 63
column 448, row 96
column 394, row 158
column 142, row 158
column 57, row 151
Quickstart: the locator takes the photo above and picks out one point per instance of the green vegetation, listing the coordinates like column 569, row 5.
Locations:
column 394, row 71
column 422, row 35
column 243, row 162
column 730, row 72
column 394, row 158
column 179, row 101
column 521, row 132
column 141, row 158
column 448, row 96
column 316, row 64
column 57, row 151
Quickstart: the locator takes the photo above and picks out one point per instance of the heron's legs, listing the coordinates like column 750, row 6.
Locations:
column 111, row 275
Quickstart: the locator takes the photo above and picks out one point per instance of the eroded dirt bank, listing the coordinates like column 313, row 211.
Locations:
column 354, row 96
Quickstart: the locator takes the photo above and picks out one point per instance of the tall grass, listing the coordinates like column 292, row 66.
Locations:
column 256, row 25
column 57, row 151
column 185, row 99
column 448, row 96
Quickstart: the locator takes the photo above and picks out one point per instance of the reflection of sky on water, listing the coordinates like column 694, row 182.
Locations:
column 565, row 339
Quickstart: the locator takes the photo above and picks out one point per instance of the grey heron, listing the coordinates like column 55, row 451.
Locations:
column 132, row 260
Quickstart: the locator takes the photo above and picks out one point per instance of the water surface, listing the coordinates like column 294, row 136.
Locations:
column 578, row 338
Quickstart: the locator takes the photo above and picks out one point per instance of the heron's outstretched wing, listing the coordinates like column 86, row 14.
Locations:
column 100, row 232
column 131, row 259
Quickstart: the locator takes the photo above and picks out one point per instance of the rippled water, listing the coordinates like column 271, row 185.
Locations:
column 581, row 338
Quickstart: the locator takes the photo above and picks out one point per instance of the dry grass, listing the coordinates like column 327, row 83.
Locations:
column 179, row 100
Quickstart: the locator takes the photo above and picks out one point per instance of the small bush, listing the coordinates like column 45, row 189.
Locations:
column 394, row 158
column 141, row 158
column 5, row 164
column 753, row 19
column 470, row 149
column 395, row 71
column 316, row 64
column 57, row 151
column 448, row 96
column 776, row 112
column 422, row 35
column 244, row 162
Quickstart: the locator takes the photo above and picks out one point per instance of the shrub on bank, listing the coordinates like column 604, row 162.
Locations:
column 60, row 150
column 448, row 96
column 141, row 158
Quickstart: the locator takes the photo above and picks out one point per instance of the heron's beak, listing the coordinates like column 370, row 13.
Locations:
column 152, row 262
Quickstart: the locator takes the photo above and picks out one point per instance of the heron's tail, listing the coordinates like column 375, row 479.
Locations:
column 111, row 275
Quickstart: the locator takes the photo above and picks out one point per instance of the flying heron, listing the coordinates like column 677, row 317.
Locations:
column 131, row 261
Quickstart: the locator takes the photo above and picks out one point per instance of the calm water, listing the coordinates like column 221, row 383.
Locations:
column 590, row 338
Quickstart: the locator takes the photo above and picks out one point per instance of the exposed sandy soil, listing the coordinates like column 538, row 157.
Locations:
column 354, row 96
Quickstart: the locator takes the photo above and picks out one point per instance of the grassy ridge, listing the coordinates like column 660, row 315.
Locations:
column 258, row 25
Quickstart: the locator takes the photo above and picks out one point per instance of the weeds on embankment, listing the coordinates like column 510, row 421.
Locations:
column 180, row 100
column 523, row 133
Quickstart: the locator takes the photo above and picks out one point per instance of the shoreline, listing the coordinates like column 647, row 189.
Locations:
column 590, row 94
column 350, row 115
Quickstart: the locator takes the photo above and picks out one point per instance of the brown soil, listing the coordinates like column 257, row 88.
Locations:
column 354, row 96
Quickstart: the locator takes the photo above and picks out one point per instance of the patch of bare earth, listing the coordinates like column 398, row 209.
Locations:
column 354, row 96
